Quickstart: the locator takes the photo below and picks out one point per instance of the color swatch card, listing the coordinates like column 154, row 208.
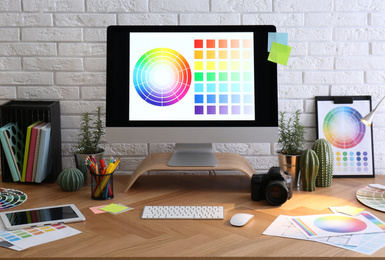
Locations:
column 351, row 140
column 21, row 239
column 210, row 75
column 336, row 224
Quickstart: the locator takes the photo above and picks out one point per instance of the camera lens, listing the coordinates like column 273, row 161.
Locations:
column 276, row 193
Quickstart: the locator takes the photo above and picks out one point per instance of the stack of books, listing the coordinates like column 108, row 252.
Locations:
column 28, row 155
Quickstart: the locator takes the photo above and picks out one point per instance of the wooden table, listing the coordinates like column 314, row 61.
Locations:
column 126, row 236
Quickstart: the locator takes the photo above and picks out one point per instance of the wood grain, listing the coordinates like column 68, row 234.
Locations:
column 126, row 236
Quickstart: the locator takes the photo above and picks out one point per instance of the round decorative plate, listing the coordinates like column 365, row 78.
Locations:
column 10, row 198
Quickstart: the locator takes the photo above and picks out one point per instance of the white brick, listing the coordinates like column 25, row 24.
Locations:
column 10, row 6
column 95, row 35
column 278, row 19
column 70, row 122
column 241, row 6
column 79, row 106
column 378, row 48
column 92, row 92
column 359, row 5
column 214, row 19
column 116, row 6
column 359, row 90
column 377, row 19
column 333, row 77
column 302, row 91
column 360, row 63
column 53, row 6
column 84, row 20
column 7, row 92
column 48, row 93
column 336, row 19
column 179, row 6
column 51, row 34
column 27, row 49
column 339, row 48
column 290, row 105
column 80, row 78
column 310, row 34
column 242, row 148
column 310, row 63
column 296, row 6
column 10, row 63
column 375, row 77
column 53, row 64
column 9, row 35
column 95, row 64
column 82, row 49
column 28, row 20
column 359, row 34
column 126, row 149
column 289, row 77
column 147, row 19
column 26, row 78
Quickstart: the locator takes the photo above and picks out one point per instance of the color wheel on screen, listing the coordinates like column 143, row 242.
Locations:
column 162, row 77
column 343, row 128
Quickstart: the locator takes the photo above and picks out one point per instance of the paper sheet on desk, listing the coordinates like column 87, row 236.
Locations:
column 24, row 238
column 362, row 243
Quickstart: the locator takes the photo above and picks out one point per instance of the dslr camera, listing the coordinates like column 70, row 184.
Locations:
column 275, row 186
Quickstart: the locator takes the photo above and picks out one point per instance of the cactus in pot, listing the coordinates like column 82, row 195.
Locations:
column 309, row 165
column 324, row 151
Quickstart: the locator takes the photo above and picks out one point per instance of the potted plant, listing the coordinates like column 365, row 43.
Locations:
column 91, row 131
column 291, row 140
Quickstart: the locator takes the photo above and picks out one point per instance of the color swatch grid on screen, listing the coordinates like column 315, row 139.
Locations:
column 162, row 76
column 223, row 77
column 344, row 130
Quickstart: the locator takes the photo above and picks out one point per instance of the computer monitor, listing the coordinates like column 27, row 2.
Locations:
column 191, row 85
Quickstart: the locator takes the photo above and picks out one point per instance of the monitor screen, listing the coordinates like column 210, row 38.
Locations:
column 192, row 84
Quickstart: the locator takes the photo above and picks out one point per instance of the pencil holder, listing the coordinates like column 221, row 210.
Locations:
column 102, row 187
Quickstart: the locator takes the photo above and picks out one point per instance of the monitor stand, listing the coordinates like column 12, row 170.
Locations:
column 193, row 155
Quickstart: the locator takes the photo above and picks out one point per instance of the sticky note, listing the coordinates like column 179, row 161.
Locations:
column 349, row 210
column 96, row 210
column 115, row 208
column 279, row 53
column 281, row 38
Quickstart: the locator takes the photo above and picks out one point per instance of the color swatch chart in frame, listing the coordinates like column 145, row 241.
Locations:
column 350, row 139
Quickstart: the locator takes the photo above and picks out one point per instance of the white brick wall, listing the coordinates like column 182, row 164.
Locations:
column 55, row 49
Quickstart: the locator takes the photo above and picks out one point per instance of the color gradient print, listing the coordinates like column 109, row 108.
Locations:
column 340, row 224
column 162, row 76
column 343, row 128
column 223, row 76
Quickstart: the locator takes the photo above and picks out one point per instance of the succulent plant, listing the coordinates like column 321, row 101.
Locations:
column 309, row 164
column 324, row 151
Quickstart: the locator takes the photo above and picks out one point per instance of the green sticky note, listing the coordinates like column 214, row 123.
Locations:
column 279, row 53
column 114, row 208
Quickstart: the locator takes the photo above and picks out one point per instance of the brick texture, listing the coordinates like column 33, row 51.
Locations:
column 55, row 49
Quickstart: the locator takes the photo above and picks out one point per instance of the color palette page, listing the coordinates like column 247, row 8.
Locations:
column 192, row 76
column 337, row 224
column 351, row 139
column 24, row 238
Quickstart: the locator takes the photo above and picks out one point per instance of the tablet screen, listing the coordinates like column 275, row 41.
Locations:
column 41, row 215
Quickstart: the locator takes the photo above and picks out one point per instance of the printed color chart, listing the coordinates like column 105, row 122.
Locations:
column 223, row 76
column 351, row 140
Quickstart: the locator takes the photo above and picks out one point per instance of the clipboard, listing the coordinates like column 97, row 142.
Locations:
column 339, row 122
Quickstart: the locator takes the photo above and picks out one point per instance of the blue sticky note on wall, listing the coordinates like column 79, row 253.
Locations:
column 281, row 38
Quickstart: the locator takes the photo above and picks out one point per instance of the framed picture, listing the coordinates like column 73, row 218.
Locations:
column 339, row 122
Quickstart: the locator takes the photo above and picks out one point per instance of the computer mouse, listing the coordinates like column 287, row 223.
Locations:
column 240, row 219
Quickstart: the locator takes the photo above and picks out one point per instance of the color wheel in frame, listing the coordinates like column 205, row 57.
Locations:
column 343, row 128
column 162, row 77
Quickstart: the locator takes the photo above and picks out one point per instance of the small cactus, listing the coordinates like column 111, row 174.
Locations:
column 309, row 169
column 324, row 151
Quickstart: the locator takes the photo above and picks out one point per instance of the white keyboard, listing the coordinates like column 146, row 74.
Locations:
column 183, row 212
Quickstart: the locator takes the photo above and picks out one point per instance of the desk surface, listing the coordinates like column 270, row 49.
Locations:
column 126, row 236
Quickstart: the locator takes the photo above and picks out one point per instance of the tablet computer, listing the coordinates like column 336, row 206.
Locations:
column 18, row 219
